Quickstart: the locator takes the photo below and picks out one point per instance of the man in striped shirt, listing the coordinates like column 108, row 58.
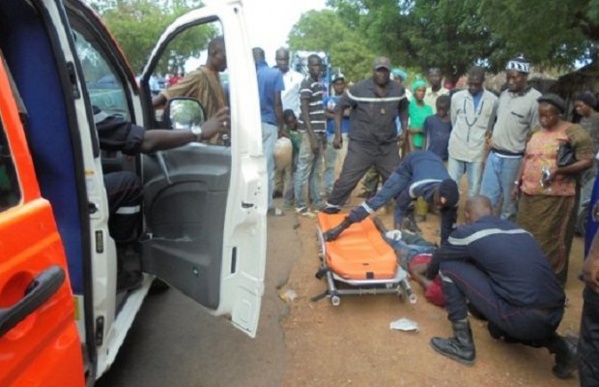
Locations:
column 374, row 103
column 312, row 122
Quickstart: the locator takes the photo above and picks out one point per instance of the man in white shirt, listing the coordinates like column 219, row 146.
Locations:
column 292, row 79
column 473, row 113
column 436, row 89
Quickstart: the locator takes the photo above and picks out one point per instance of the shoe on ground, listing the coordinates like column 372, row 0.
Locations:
column 330, row 209
column 566, row 358
column 304, row 211
column 129, row 280
column 275, row 212
column 409, row 224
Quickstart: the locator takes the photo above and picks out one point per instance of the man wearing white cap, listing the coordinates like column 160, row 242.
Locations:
column 517, row 114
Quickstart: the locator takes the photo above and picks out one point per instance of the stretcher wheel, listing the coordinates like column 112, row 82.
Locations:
column 335, row 300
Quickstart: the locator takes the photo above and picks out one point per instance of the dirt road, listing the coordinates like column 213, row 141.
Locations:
column 352, row 344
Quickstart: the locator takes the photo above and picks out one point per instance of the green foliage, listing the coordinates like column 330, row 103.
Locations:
column 137, row 25
column 325, row 31
column 455, row 34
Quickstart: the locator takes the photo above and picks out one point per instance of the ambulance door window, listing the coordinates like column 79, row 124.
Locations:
column 10, row 192
column 105, row 87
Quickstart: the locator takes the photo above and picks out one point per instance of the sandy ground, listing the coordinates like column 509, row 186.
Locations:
column 352, row 344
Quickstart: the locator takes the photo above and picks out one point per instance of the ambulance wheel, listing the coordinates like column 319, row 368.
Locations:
column 335, row 300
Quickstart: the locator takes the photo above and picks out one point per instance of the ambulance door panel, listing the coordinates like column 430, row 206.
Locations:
column 39, row 343
column 205, row 204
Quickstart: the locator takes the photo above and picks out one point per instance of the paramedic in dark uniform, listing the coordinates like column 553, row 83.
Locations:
column 375, row 103
column 588, row 348
column 124, row 188
column 499, row 268
column 420, row 174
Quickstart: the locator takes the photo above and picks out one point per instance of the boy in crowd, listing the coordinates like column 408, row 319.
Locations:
column 290, row 131
column 437, row 128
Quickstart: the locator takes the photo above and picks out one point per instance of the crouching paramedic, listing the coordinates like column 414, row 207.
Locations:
column 499, row 268
column 420, row 174
column 124, row 189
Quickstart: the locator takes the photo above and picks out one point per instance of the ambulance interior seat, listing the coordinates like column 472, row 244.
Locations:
column 27, row 48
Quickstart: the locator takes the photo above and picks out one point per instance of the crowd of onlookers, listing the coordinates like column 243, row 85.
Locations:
column 524, row 164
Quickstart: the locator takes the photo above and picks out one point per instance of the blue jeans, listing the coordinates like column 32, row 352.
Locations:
column 456, row 169
column 498, row 182
column 269, row 138
column 332, row 160
column 309, row 167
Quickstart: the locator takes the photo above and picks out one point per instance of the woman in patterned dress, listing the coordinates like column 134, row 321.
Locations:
column 548, row 192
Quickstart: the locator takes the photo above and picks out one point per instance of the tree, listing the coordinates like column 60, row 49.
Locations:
column 325, row 31
column 442, row 33
column 552, row 33
column 137, row 25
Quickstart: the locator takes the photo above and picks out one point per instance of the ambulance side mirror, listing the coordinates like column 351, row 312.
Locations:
column 183, row 113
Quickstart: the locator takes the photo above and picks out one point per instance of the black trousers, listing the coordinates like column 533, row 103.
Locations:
column 125, row 196
column 588, row 347
column 360, row 157
column 462, row 281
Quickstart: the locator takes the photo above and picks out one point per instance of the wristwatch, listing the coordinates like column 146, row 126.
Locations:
column 196, row 130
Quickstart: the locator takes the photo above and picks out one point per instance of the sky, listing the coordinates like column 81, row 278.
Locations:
column 270, row 21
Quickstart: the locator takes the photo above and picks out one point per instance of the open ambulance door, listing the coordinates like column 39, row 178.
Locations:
column 39, row 342
column 205, row 204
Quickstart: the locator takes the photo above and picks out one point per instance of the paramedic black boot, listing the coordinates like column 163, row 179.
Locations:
column 332, row 234
column 460, row 347
column 566, row 356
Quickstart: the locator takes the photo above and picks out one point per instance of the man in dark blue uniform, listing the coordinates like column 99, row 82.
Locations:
column 500, row 270
column 374, row 105
column 420, row 174
column 589, row 322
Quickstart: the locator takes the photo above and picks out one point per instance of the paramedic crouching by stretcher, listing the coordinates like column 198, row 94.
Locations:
column 420, row 174
column 124, row 188
column 500, row 270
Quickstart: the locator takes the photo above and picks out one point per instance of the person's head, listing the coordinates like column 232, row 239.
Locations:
column 446, row 195
column 314, row 66
column 517, row 70
column 477, row 207
column 476, row 79
column 258, row 55
column 585, row 103
column 434, row 77
column 381, row 70
column 442, row 104
column 289, row 118
column 217, row 55
column 399, row 76
column 282, row 59
column 551, row 109
column 338, row 83
column 419, row 89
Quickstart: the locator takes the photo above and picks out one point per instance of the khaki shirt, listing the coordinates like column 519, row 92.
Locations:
column 470, row 125
column 430, row 97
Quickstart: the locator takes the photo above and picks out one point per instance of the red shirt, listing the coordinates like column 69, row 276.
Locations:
column 433, row 292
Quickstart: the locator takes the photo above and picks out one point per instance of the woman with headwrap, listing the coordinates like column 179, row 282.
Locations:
column 418, row 111
column 546, row 181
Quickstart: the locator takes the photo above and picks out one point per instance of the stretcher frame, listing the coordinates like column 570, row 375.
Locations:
column 398, row 285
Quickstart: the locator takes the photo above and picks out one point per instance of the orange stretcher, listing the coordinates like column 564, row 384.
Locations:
column 360, row 258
